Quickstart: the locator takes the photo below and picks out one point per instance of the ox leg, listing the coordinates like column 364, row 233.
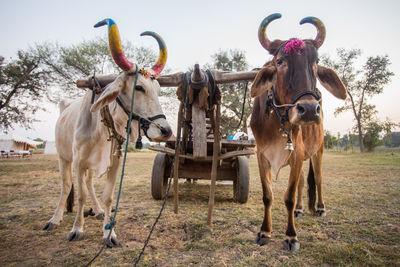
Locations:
column 66, row 184
column 97, row 210
column 77, row 229
column 266, row 181
column 107, row 200
column 291, row 242
column 317, row 167
column 299, row 211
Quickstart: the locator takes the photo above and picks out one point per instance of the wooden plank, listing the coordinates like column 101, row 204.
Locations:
column 176, row 160
column 202, row 170
column 236, row 153
column 245, row 143
column 171, row 151
column 163, row 149
column 224, row 142
column 199, row 131
column 215, row 162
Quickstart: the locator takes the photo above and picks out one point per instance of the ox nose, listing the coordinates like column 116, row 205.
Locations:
column 166, row 132
column 309, row 112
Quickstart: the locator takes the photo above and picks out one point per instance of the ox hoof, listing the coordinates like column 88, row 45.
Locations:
column 262, row 239
column 112, row 242
column 75, row 236
column 320, row 213
column 291, row 245
column 298, row 213
column 49, row 226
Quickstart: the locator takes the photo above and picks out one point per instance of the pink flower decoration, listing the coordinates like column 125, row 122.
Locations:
column 293, row 46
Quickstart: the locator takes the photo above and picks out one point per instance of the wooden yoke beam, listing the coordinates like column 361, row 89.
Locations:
column 174, row 80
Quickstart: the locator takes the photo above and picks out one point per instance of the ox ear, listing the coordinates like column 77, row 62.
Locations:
column 264, row 80
column 331, row 81
column 109, row 94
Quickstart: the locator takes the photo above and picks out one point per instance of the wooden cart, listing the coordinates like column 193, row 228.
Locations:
column 201, row 154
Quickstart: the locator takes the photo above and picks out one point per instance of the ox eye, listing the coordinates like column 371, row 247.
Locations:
column 279, row 62
column 140, row 89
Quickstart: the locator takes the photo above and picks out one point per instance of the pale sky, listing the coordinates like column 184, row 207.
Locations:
column 194, row 30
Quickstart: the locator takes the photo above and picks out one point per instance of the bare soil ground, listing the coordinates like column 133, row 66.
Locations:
column 362, row 226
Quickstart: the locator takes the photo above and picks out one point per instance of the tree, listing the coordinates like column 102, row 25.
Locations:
column 232, row 94
column 394, row 139
column 49, row 72
column 387, row 127
column 371, row 136
column 361, row 85
column 329, row 140
column 70, row 63
column 23, row 84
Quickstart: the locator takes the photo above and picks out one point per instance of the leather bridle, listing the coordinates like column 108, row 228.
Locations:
column 273, row 105
column 144, row 122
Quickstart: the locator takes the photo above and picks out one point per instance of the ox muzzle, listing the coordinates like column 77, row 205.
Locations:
column 305, row 111
column 308, row 112
column 299, row 111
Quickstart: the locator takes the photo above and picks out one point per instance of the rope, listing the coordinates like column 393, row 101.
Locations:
column 177, row 148
column 159, row 214
column 244, row 103
column 110, row 225
column 243, row 106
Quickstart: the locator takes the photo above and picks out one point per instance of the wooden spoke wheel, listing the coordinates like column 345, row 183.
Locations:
column 241, row 183
column 159, row 176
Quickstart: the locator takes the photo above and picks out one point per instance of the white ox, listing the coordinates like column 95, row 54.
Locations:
column 81, row 136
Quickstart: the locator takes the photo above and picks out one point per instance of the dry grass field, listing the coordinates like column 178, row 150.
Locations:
column 362, row 226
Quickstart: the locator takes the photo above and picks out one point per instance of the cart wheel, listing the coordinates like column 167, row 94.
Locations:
column 159, row 179
column 241, row 183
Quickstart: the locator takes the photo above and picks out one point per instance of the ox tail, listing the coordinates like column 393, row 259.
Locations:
column 311, row 188
column 70, row 200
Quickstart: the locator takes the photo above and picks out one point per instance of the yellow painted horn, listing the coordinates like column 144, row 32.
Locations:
column 162, row 57
column 115, row 45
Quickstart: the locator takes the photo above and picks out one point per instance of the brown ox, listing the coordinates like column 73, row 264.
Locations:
column 287, row 122
column 81, row 133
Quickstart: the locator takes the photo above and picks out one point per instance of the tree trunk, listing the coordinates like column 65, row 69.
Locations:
column 360, row 137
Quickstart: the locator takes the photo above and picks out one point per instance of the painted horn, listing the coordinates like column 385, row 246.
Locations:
column 114, row 41
column 162, row 58
column 262, row 35
column 321, row 32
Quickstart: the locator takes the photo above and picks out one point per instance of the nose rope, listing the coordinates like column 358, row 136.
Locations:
column 272, row 103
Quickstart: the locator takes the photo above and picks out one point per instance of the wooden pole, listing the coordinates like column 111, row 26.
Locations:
column 175, row 79
column 215, row 161
column 176, row 160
